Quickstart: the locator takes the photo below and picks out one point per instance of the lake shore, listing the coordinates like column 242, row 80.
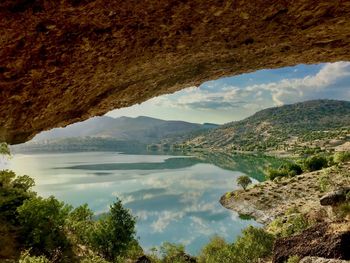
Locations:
column 268, row 200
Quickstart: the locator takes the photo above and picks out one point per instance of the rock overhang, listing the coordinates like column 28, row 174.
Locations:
column 65, row 61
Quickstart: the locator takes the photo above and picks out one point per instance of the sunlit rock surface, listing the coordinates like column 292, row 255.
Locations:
column 65, row 61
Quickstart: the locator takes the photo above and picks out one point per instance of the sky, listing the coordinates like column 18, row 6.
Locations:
column 234, row 98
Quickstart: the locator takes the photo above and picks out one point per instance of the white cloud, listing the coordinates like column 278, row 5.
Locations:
column 164, row 219
column 292, row 90
column 226, row 97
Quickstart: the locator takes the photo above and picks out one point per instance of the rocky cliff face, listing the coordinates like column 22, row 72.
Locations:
column 330, row 241
column 67, row 60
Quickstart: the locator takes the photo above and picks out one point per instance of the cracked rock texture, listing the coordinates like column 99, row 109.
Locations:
column 323, row 240
column 321, row 260
column 64, row 61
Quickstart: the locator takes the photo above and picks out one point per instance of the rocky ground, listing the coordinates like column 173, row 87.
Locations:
column 271, row 199
column 318, row 196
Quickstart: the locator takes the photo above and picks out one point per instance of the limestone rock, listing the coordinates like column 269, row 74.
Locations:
column 64, row 61
column 321, row 260
column 324, row 240
column 336, row 197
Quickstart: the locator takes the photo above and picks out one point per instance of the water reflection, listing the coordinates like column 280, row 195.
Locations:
column 175, row 198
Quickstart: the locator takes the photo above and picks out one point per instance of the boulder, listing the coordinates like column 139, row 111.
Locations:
column 143, row 259
column 321, row 260
column 331, row 241
column 336, row 197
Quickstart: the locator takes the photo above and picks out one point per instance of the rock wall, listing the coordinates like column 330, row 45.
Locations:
column 64, row 61
column 323, row 240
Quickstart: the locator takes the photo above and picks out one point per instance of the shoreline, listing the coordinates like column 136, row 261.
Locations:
column 268, row 200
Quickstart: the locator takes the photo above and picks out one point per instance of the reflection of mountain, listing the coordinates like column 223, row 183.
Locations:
column 171, row 163
column 252, row 165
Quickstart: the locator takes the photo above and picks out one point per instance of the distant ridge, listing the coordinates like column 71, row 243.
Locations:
column 141, row 129
column 277, row 127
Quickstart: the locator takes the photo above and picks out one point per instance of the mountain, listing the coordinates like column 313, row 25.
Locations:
column 141, row 129
column 280, row 128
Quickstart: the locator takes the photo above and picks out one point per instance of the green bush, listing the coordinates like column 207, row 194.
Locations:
column 287, row 169
column 173, row 253
column 4, row 149
column 293, row 259
column 14, row 190
column 27, row 258
column 294, row 224
column 217, row 250
column 292, row 169
column 92, row 258
column 254, row 243
column 324, row 183
column 341, row 157
column 315, row 163
column 42, row 225
column 272, row 174
column 80, row 224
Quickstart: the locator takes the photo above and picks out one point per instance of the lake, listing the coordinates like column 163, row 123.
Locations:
column 175, row 198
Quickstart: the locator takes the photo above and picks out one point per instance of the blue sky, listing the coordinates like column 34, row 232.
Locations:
column 237, row 97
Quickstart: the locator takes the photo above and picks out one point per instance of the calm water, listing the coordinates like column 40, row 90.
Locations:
column 175, row 198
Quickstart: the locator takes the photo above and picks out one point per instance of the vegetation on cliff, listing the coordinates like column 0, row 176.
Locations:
column 306, row 127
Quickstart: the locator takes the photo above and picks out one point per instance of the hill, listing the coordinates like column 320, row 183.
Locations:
column 295, row 127
column 120, row 134
column 141, row 129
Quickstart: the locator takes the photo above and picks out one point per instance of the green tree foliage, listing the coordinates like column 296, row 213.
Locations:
column 286, row 169
column 114, row 232
column 4, row 149
column 27, row 258
column 315, row 163
column 51, row 228
column 80, row 224
column 42, row 225
column 13, row 192
column 255, row 243
column 294, row 224
column 92, row 258
column 244, row 181
column 293, row 259
column 173, row 253
column 324, row 182
column 215, row 251
column 341, row 157
column 133, row 252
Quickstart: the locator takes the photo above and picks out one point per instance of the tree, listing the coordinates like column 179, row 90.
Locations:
column 244, row 181
column 80, row 224
column 315, row 163
column 255, row 243
column 114, row 232
column 173, row 253
column 42, row 225
column 217, row 250
column 14, row 190
column 4, row 149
